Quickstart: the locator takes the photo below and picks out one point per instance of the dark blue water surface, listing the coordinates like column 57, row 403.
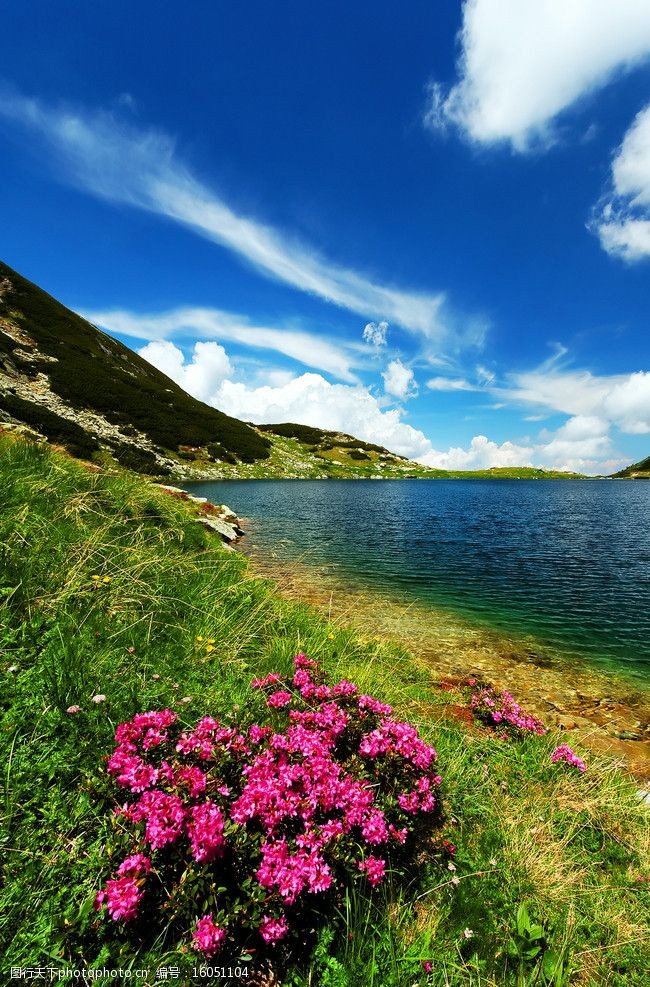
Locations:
column 566, row 561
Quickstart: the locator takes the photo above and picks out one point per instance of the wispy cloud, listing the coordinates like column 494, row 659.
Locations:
column 116, row 161
column 310, row 349
column 618, row 399
column 451, row 384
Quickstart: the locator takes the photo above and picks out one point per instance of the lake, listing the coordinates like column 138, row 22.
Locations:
column 564, row 562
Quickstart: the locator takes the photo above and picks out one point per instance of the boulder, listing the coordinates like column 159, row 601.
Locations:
column 228, row 532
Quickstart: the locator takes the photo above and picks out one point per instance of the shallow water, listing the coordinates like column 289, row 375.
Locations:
column 563, row 565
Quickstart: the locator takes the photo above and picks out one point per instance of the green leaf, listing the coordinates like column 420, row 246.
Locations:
column 553, row 968
column 523, row 920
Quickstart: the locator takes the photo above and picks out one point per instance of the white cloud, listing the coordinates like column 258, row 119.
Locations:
column 581, row 444
column 312, row 400
column 375, row 333
column 523, row 62
column 628, row 403
column 450, row 384
column 202, row 376
column 399, row 381
column 276, row 378
column 115, row 161
column 484, row 375
column 622, row 218
column 481, row 454
column 620, row 399
column 310, row 349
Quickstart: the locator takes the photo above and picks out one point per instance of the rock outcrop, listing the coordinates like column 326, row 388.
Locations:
column 217, row 518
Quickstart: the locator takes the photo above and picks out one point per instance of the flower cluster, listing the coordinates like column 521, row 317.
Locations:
column 235, row 829
column 565, row 753
column 499, row 709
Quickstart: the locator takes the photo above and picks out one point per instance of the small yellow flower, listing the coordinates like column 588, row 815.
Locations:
column 209, row 648
column 211, row 640
column 106, row 579
column 330, row 637
column 199, row 638
column 96, row 578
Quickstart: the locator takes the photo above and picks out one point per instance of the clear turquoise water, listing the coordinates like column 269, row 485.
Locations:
column 567, row 562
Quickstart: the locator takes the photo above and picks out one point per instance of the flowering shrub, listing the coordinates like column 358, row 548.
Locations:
column 500, row 710
column 565, row 753
column 236, row 832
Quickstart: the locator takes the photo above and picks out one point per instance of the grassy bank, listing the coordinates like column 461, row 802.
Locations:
column 569, row 846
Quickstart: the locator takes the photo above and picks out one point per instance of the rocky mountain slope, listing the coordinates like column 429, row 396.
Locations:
column 83, row 389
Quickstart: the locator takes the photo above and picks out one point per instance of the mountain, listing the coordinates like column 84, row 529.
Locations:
column 68, row 381
column 637, row 471
column 81, row 388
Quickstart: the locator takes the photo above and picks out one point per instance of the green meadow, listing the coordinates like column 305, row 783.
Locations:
column 111, row 588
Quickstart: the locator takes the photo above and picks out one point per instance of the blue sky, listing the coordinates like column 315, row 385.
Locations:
column 424, row 224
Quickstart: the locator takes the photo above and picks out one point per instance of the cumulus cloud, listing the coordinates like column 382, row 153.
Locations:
column 523, row 62
column 481, row 454
column 375, row 333
column 115, row 161
column 310, row 349
column 582, row 443
column 622, row 217
column 312, row 400
column 628, row 403
column 201, row 376
column 399, row 381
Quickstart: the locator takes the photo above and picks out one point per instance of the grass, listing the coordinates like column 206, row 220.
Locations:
column 568, row 846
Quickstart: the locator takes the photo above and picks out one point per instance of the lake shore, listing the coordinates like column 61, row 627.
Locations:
column 608, row 711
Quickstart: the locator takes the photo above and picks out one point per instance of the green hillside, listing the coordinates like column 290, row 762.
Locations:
column 54, row 364
column 637, row 471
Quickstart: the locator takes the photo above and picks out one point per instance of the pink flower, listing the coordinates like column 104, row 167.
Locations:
column 273, row 929
column 73, row 709
column 208, row 936
column 134, row 866
column 269, row 680
column 374, row 867
column 374, row 706
column 374, row 828
column 565, row 753
column 427, row 966
column 164, row 815
column 122, row 897
column 205, row 830
column 344, row 688
column 302, row 661
column 192, row 778
column 279, row 699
